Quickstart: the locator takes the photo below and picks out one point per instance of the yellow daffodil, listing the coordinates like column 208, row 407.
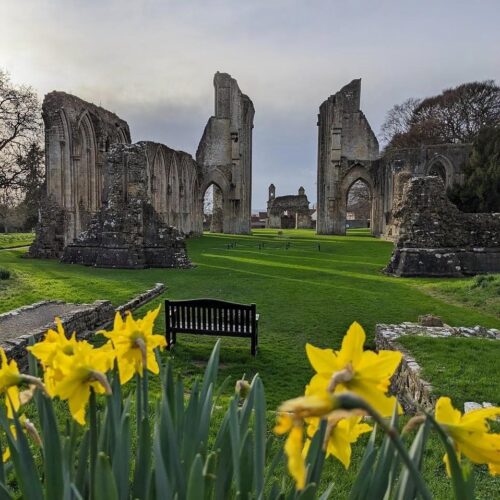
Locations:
column 342, row 431
column 134, row 343
column 293, row 447
column 470, row 433
column 82, row 372
column 54, row 343
column 364, row 373
column 10, row 378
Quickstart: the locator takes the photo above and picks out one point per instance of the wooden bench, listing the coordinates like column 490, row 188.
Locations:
column 211, row 317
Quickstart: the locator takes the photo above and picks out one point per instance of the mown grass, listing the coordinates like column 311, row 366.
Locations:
column 13, row 240
column 481, row 292
column 466, row 368
column 307, row 288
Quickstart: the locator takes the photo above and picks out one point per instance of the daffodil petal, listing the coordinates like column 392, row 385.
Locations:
column 445, row 413
column 322, row 360
column 352, row 345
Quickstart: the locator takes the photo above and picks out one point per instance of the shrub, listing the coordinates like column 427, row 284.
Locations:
column 177, row 447
column 4, row 274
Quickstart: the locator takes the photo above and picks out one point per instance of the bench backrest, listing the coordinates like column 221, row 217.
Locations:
column 210, row 316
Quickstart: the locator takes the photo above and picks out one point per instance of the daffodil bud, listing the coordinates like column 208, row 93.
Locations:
column 242, row 388
column 310, row 406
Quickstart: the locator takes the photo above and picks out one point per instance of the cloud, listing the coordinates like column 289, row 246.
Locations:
column 153, row 62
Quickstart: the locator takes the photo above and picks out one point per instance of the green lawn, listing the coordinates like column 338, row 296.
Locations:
column 307, row 288
column 466, row 368
column 12, row 240
column 481, row 292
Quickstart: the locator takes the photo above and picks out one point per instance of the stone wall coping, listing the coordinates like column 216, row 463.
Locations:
column 85, row 319
column 414, row 392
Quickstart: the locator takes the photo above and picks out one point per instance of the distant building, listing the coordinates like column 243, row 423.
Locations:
column 288, row 212
column 259, row 220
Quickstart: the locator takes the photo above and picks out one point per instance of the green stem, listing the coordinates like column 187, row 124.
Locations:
column 138, row 394
column 350, row 401
column 93, row 440
column 145, row 393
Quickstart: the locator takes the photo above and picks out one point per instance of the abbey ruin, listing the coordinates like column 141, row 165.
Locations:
column 114, row 204
column 408, row 195
column 111, row 203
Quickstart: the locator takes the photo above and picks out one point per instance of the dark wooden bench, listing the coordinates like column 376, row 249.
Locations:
column 211, row 317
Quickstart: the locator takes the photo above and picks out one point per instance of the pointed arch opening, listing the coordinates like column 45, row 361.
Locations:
column 359, row 205
column 213, row 209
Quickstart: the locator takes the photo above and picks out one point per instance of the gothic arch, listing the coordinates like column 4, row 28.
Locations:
column 86, row 180
column 355, row 174
column 158, row 183
column 441, row 166
column 173, row 192
column 217, row 177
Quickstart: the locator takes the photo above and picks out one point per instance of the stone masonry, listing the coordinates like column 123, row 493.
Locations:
column 30, row 323
column 348, row 151
column 77, row 221
column 288, row 212
column 414, row 393
column 225, row 154
column 127, row 232
column 437, row 239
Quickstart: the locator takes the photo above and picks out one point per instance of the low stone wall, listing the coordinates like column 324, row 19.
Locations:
column 84, row 319
column 413, row 392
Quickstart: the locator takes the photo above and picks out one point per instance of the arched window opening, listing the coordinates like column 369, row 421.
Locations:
column 213, row 211
column 438, row 170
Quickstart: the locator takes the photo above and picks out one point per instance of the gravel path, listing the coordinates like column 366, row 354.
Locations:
column 33, row 319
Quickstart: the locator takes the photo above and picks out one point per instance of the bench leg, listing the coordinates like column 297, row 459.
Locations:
column 254, row 344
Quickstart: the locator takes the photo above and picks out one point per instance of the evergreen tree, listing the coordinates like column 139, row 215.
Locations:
column 480, row 191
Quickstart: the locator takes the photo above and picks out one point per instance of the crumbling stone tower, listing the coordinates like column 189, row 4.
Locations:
column 225, row 154
column 347, row 151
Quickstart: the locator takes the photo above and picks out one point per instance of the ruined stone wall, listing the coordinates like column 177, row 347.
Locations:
column 347, row 151
column 436, row 239
column 443, row 160
column 173, row 186
column 225, row 153
column 128, row 232
column 287, row 212
column 77, row 136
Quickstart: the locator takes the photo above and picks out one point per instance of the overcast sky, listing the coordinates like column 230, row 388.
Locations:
column 152, row 62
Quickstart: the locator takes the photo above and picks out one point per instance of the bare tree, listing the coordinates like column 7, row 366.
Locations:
column 20, row 128
column 454, row 116
column 399, row 119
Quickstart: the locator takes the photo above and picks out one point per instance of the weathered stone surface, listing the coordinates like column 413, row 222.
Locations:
column 127, row 232
column 430, row 320
column 225, row 153
column 84, row 319
column 79, row 137
column 288, row 212
column 49, row 233
column 413, row 392
column 347, row 152
column 437, row 239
